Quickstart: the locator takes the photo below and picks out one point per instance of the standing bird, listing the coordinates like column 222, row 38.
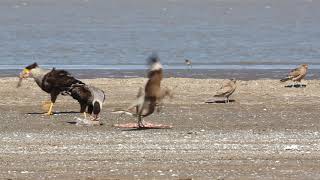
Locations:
column 53, row 81
column 188, row 63
column 296, row 75
column 89, row 97
column 227, row 89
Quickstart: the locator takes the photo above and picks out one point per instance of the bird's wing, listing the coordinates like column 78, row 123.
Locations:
column 301, row 75
column 81, row 93
column 295, row 72
column 97, row 93
column 225, row 90
column 61, row 79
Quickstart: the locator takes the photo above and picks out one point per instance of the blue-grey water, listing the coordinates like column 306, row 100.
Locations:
column 120, row 34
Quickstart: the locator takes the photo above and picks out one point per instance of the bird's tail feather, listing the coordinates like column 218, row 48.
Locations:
column 285, row 79
column 122, row 112
column 220, row 95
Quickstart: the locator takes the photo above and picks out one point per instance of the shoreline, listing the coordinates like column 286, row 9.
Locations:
column 242, row 74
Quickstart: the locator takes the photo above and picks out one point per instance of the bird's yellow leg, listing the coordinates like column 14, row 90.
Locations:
column 85, row 115
column 46, row 105
column 50, row 109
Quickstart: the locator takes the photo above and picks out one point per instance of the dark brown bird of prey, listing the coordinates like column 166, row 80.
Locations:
column 90, row 99
column 227, row 89
column 296, row 75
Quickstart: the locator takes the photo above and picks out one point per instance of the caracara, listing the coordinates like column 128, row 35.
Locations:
column 227, row 89
column 89, row 97
column 296, row 75
column 53, row 81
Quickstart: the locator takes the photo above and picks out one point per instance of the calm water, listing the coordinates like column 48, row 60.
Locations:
column 120, row 34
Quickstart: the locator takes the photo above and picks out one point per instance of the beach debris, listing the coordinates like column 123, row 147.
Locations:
column 86, row 122
column 293, row 147
column 296, row 75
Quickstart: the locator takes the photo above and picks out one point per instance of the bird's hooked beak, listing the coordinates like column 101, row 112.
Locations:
column 24, row 74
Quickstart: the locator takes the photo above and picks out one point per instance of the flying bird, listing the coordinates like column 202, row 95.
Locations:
column 296, row 75
column 164, row 92
column 227, row 89
column 149, row 97
column 52, row 81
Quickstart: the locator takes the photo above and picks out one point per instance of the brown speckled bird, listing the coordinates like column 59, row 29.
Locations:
column 227, row 89
column 296, row 75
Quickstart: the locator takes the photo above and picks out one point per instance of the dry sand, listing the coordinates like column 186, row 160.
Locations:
column 268, row 132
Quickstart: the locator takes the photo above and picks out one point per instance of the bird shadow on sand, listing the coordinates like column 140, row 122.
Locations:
column 134, row 126
column 219, row 101
column 296, row 86
column 138, row 129
column 54, row 113
column 76, row 123
column 142, row 129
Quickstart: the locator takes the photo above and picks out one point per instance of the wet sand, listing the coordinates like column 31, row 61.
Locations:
column 268, row 132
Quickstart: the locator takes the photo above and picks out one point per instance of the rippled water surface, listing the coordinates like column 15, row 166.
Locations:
column 122, row 33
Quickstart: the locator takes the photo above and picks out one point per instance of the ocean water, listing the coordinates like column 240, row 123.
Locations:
column 120, row 34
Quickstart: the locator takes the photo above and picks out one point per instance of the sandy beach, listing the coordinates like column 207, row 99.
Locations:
column 268, row 132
